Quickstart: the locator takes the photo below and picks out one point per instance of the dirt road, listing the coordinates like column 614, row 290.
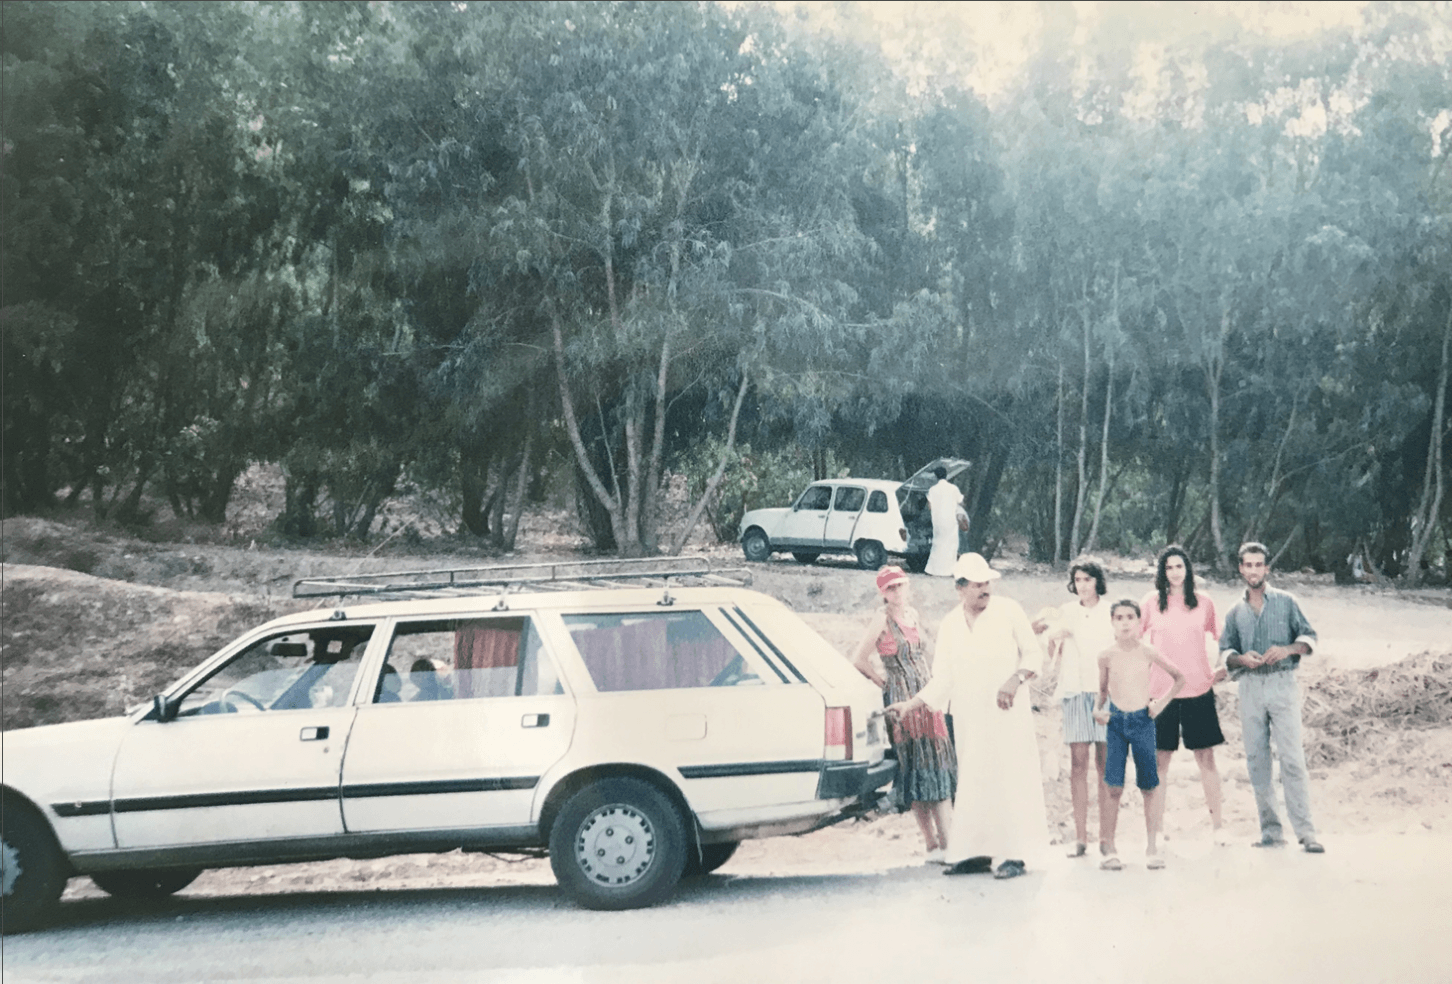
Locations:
column 1373, row 909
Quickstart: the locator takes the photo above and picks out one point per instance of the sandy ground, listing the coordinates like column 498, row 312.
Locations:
column 79, row 645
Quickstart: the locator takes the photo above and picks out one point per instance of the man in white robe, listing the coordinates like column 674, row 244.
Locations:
column 985, row 650
column 944, row 501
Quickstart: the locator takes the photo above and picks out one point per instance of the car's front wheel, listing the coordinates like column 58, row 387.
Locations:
column 756, row 546
column 32, row 871
column 870, row 555
column 145, row 884
column 618, row 844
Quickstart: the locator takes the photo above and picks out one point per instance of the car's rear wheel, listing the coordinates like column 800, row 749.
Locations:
column 712, row 856
column 756, row 546
column 870, row 555
column 153, row 883
column 805, row 557
column 32, row 871
column 618, row 844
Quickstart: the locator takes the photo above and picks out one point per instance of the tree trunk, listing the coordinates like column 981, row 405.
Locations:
column 1214, row 370
column 715, row 480
column 1082, row 491
column 473, row 482
column 624, row 541
column 1429, row 510
column 1216, row 536
column 1059, row 471
column 300, row 496
column 1178, row 483
column 983, row 502
column 650, row 513
column 1103, row 461
column 511, row 533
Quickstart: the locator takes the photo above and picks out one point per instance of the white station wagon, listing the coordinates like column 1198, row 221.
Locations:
column 635, row 734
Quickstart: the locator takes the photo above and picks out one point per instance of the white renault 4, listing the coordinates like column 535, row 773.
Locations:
column 635, row 734
column 870, row 518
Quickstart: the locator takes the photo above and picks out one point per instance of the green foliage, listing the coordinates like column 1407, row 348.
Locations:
column 1163, row 287
column 752, row 480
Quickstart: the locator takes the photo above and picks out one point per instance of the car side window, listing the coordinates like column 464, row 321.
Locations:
column 849, row 499
column 296, row 670
column 816, row 497
column 877, row 502
column 657, row 651
column 465, row 658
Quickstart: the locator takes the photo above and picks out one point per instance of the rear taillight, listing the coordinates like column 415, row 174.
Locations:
column 839, row 733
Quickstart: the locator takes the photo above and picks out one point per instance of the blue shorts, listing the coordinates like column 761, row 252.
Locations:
column 1131, row 732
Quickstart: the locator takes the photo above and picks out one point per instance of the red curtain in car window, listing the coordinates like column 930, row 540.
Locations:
column 483, row 646
column 698, row 653
column 625, row 657
column 654, row 653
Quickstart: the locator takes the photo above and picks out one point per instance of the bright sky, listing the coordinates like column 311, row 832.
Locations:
column 986, row 44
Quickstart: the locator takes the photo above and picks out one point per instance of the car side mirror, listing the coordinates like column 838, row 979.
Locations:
column 164, row 709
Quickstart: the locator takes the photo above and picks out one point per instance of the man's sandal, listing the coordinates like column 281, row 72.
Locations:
column 1154, row 862
column 1078, row 849
column 1111, row 863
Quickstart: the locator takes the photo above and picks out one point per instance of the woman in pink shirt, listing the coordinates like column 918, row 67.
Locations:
column 1177, row 620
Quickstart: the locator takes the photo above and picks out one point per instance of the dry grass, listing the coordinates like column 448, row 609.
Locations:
column 1355, row 713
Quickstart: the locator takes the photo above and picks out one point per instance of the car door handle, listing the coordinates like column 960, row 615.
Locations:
column 535, row 721
column 313, row 734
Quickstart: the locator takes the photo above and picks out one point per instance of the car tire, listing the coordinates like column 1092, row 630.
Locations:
column 756, row 546
column 870, row 555
column 618, row 844
column 917, row 563
column 153, row 883
column 712, row 856
column 805, row 557
column 32, row 871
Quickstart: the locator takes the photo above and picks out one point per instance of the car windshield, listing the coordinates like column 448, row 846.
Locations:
column 300, row 669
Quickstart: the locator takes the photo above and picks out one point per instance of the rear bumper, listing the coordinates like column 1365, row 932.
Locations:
column 843, row 780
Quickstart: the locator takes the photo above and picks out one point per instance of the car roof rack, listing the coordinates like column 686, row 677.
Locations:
column 568, row 575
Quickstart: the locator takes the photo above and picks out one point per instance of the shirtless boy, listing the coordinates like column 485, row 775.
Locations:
column 1125, row 706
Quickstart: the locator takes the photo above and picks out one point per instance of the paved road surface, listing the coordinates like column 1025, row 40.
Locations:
column 1372, row 909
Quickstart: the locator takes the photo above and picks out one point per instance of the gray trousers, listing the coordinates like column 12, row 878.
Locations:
column 1270, row 707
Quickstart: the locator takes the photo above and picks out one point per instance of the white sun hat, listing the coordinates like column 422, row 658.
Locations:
column 972, row 567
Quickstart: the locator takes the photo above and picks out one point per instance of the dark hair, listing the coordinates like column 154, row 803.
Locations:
column 1162, row 583
column 1124, row 603
column 1251, row 546
column 940, row 472
column 1091, row 567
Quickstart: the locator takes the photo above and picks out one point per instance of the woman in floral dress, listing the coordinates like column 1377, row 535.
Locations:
column 927, row 765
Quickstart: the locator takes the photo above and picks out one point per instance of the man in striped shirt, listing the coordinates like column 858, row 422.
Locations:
column 1264, row 639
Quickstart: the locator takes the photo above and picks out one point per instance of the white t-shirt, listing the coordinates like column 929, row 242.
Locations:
column 1090, row 633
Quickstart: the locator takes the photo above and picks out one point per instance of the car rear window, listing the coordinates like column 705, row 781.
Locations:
column 460, row 659
column 657, row 651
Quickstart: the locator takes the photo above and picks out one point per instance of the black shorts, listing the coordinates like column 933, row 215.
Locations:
column 1195, row 718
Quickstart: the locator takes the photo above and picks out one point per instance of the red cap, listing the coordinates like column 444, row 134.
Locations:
column 889, row 576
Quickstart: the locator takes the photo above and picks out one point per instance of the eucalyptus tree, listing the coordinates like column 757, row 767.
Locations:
column 131, row 161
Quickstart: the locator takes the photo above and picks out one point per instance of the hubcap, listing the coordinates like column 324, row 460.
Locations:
column 9, row 868
column 615, row 845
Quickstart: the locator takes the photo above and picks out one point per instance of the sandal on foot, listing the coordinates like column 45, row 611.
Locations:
column 1154, row 862
column 1078, row 849
column 1111, row 863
